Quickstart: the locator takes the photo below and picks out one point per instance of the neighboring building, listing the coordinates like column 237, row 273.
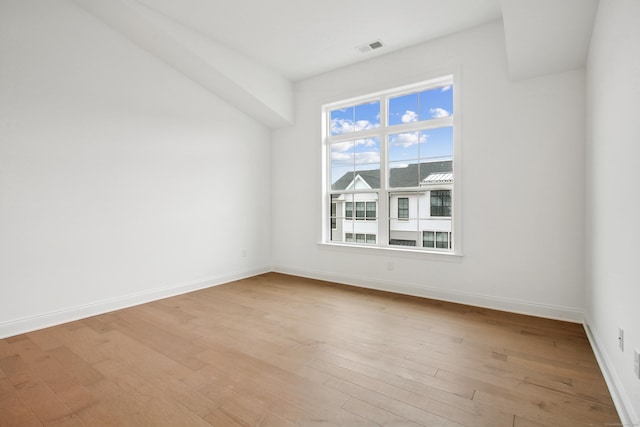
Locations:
column 419, row 217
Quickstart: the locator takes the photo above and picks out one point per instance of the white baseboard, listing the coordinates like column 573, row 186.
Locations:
column 627, row 413
column 514, row 306
column 32, row 323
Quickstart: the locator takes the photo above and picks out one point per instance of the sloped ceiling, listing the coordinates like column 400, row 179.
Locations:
column 250, row 52
column 547, row 36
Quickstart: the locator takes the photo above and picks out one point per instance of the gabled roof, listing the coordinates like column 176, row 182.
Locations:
column 371, row 177
column 410, row 176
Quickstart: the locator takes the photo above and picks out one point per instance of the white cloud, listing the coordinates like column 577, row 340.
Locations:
column 399, row 165
column 340, row 126
column 341, row 157
column 364, row 125
column 368, row 142
column 361, row 158
column 445, row 88
column 409, row 117
column 367, row 157
column 406, row 140
column 342, row 146
column 438, row 112
column 343, row 152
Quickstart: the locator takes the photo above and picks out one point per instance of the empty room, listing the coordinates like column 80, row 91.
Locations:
column 336, row 213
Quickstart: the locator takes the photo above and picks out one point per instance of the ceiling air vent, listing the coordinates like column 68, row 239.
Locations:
column 370, row 46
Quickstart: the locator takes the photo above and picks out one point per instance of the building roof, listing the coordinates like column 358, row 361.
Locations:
column 438, row 178
column 410, row 176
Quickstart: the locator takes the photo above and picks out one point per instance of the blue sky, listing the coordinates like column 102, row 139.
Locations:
column 418, row 106
column 429, row 104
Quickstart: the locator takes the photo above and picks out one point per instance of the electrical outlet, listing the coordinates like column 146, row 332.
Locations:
column 636, row 362
column 621, row 339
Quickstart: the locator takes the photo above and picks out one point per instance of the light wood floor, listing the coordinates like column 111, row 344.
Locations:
column 277, row 350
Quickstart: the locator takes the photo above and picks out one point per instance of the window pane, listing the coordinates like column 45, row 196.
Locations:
column 355, row 164
column 342, row 160
column 367, row 116
column 337, row 217
column 342, row 121
column 442, row 240
column 371, row 238
column 403, row 208
column 360, row 238
column 402, row 242
column 404, row 146
column 436, row 103
column 436, row 144
column 371, row 211
column 333, row 216
column 360, row 210
column 403, row 109
column 428, row 239
column 355, row 118
column 348, row 237
column 441, row 203
column 367, row 163
column 413, row 156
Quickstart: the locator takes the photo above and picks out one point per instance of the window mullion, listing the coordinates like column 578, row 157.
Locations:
column 383, row 203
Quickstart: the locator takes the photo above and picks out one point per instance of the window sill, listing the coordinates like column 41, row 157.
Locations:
column 388, row 251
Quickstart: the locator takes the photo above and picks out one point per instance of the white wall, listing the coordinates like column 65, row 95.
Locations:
column 522, row 181
column 613, row 195
column 120, row 179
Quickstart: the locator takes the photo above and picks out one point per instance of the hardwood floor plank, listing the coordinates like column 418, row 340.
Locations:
column 277, row 350
column 394, row 406
column 377, row 415
column 455, row 408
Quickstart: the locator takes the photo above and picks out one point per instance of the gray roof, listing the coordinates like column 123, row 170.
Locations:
column 410, row 176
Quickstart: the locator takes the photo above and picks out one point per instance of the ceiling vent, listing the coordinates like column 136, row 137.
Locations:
column 370, row 46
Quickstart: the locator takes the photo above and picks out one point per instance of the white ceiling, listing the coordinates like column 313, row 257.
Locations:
column 250, row 51
column 301, row 38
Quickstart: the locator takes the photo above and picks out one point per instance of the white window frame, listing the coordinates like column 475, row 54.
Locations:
column 384, row 191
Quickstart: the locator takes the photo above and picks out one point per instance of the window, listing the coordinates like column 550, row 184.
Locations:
column 360, row 238
column 389, row 165
column 333, row 216
column 360, row 210
column 436, row 239
column 371, row 211
column 403, row 208
column 441, row 203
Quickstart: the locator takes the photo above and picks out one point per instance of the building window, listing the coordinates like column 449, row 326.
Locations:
column 402, row 242
column 388, row 154
column 360, row 210
column 403, row 208
column 441, row 203
column 371, row 211
column 436, row 239
column 333, row 216
column 429, row 239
